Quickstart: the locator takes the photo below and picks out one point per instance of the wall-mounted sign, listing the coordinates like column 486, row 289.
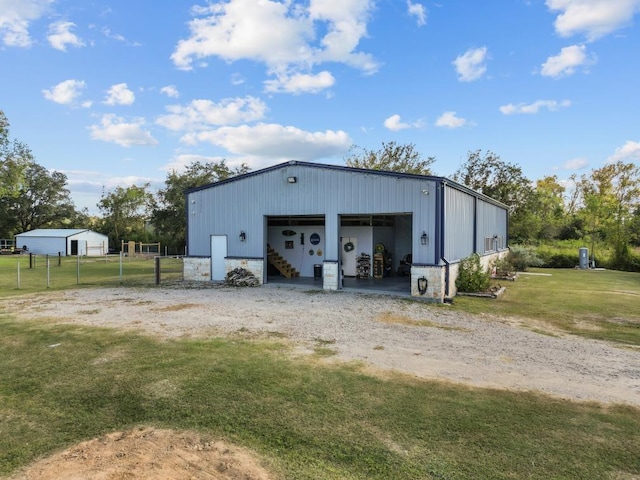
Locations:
column 314, row 239
column 288, row 233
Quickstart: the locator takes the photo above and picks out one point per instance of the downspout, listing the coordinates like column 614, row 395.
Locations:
column 186, row 232
column 439, row 223
column 441, row 236
column 475, row 224
column 507, row 232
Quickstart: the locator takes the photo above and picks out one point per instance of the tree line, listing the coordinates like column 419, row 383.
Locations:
column 601, row 208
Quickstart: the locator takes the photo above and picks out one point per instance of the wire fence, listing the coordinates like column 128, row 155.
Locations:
column 30, row 272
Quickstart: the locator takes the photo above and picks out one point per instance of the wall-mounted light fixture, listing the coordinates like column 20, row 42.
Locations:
column 243, row 236
column 422, row 285
column 424, row 238
column 292, row 179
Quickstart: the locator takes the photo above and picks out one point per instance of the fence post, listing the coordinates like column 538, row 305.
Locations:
column 157, row 269
column 18, row 274
column 77, row 269
column 48, row 278
column 59, row 258
column 121, row 254
column 30, row 260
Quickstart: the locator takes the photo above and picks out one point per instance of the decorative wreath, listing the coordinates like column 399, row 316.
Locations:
column 349, row 247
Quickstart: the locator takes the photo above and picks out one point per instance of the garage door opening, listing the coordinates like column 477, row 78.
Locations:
column 376, row 252
column 295, row 249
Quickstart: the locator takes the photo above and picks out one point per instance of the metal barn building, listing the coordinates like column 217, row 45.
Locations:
column 63, row 241
column 342, row 227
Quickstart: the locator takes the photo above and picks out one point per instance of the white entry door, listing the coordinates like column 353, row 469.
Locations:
column 349, row 249
column 218, row 254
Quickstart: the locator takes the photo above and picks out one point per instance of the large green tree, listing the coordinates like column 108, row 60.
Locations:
column 169, row 214
column 41, row 200
column 392, row 157
column 125, row 212
column 30, row 195
column 550, row 207
column 610, row 197
column 14, row 158
column 487, row 173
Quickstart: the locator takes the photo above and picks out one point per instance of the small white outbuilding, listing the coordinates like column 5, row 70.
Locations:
column 63, row 241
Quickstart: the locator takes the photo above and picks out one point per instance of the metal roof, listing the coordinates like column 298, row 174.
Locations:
column 53, row 232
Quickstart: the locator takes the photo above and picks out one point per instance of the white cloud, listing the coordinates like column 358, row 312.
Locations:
column 275, row 142
column 170, row 91
column 566, row 62
column 119, row 37
column 450, row 120
column 533, row 108
column 395, row 123
column 119, row 95
column 180, row 162
column 418, row 11
column 202, row 114
column 114, row 129
column 471, row 65
column 90, row 181
column 289, row 38
column 300, row 83
column 345, row 22
column 575, row 164
column 237, row 79
column 629, row 152
column 87, row 186
column 594, row 18
column 65, row 93
column 15, row 17
column 60, row 36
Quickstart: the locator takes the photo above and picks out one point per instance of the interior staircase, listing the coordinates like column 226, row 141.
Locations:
column 280, row 263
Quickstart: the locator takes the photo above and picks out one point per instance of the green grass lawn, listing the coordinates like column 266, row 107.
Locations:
column 600, row 304
column 68, row 272
column 62, row 384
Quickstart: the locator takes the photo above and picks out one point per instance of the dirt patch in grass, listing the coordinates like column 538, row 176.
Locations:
column 149, row 454
column 394, row 318
column 174, row 308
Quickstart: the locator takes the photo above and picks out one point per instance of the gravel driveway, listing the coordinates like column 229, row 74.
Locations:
column 385, row 333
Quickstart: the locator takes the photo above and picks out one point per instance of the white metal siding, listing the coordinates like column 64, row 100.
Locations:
column 492, row 222
column 90, row 243
column 59, row 241
column 458, row 224
column 43, row 245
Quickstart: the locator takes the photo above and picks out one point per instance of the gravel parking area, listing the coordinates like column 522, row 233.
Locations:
column 385, row 333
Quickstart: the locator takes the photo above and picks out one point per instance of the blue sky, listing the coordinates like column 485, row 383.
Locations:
column 120, row 92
